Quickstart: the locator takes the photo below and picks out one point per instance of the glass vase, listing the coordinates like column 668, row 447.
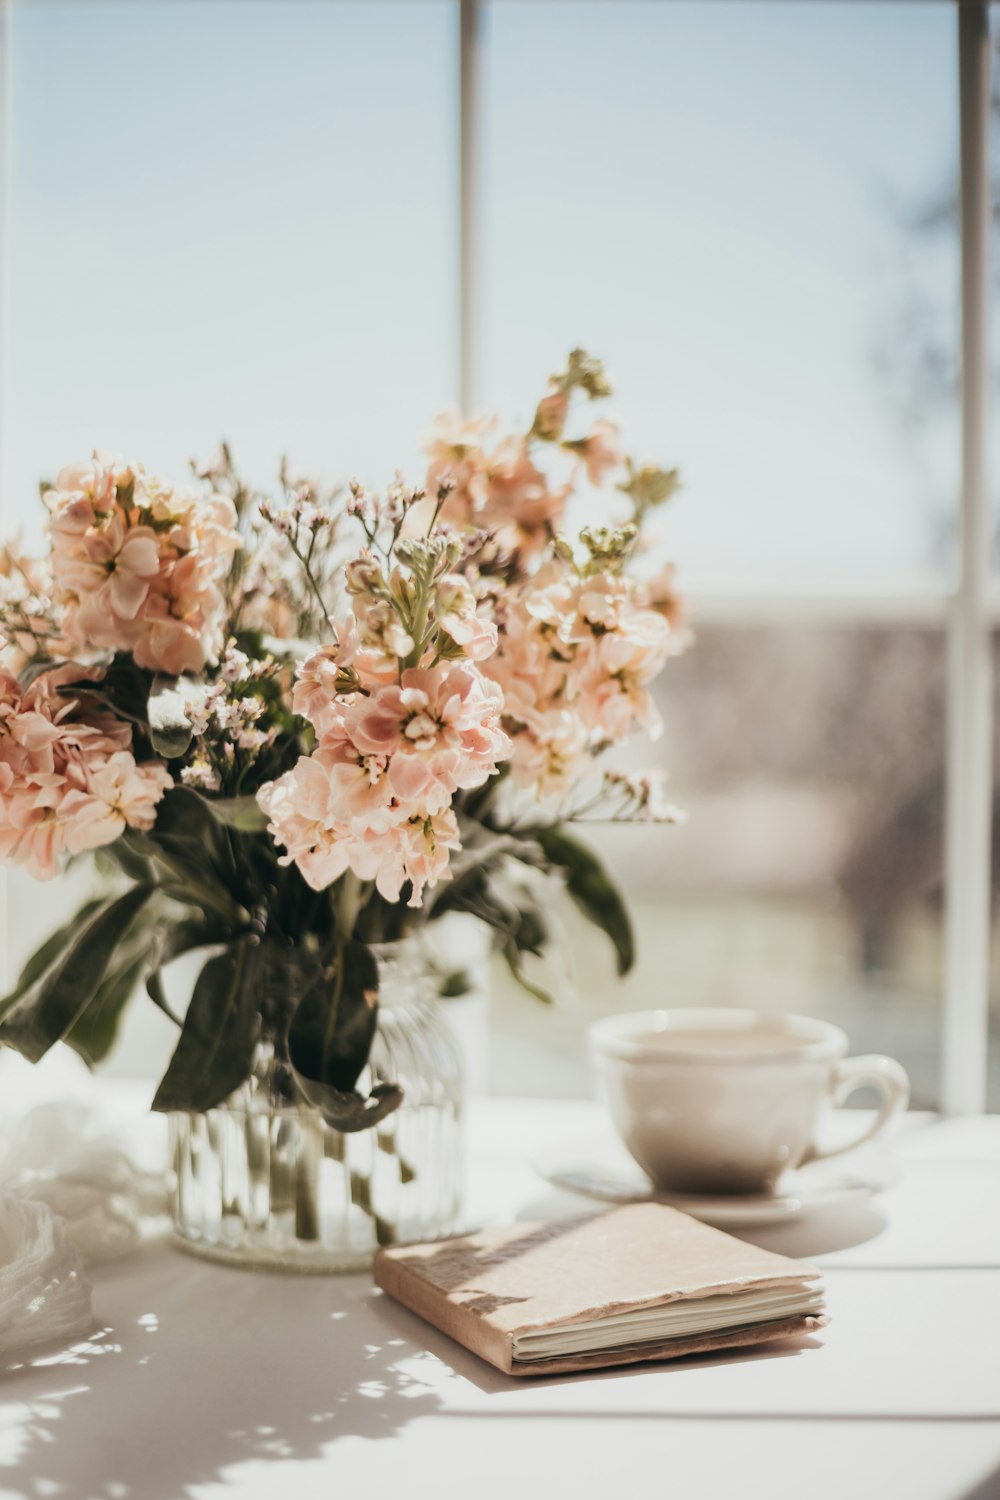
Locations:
column 259, row 1181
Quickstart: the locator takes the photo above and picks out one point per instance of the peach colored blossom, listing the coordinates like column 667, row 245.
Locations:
column 575, row 659
column 297, row 805
column 138, row 565
column 441, row 725
column 455, row 609
column 601, row 450
column 114, row 566
column 520, row 504
column 68, row 782
column 118, row 794
column 417, row 851
column 661, row 593
column 456, row 452
column 375, row 796
column 550, row 415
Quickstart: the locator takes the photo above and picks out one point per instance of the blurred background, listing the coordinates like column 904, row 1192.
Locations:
column 239, row 219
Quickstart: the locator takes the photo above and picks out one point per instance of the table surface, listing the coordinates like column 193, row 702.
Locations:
column 206, row 1381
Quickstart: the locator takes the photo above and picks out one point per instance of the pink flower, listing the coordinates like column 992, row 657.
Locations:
column 68, row 782
column 504, row 490
column 456, row 452
column 112, row 567
column 575, row 659
column 455, row 610
column 375, row 796
column 601, row 450
column 137, row 565
column 117, row 794
column 520, row 505
column 660, row 593
column 417, row 851
column 550, row 415
column 441, row 728
column 297, row 805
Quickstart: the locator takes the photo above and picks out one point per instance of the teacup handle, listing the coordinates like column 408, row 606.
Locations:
column 881, row 1073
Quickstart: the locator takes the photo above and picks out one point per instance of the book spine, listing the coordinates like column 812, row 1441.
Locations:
column 471, row 1329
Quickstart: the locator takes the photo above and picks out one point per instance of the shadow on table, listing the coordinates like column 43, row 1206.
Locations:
column 205, row 1368
column 988, row 1488
column 818, row 1233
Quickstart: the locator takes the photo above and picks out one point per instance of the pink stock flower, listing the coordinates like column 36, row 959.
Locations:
column 67, row 783
column 503, row 490
column 417, row 851
column 375, row 796
column 551, row 414
column 455, row 610
column 455, row 452
column 520, row 505
column 137, row 565
column 116, row 794
column 441, row 728
column 575, row 659
column 601, row 450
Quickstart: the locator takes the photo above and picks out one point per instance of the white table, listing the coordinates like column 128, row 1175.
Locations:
column 208, row 1382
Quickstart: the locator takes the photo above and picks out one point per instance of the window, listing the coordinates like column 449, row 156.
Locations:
column 752, row 211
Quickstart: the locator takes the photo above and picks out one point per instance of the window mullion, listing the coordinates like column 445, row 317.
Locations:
column 970, row 729
column 470, row 243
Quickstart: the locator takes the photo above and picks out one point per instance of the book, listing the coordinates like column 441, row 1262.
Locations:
column 640, row 1282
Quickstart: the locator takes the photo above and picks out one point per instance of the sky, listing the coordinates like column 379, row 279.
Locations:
column 240, row 219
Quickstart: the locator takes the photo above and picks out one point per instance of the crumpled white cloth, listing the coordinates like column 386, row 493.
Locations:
column 44, row 1294
column 70, row 1194
column 65, row 1156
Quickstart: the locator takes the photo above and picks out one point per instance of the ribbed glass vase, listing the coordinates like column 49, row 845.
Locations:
column 266, row 1183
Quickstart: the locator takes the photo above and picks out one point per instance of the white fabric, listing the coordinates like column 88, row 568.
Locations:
column 70, row 1194
column 44, row 1295
column 67, row 1157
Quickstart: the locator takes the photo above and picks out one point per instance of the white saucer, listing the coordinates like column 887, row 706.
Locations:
column 602, row 1169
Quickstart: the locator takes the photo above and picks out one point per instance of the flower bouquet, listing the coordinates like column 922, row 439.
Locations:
column 292, row 728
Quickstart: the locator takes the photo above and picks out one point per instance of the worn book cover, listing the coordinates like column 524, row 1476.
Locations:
column 640, row 1282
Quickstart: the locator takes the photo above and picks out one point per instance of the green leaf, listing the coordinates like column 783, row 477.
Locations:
column 93, row 1033
column 519, row 931
column 122, row 687
column 174, row 939
column 215, row 1052
column 350, row 1111
column 241, row 813
column 593, row 891
column 156, row 993
column 193, row 849
column 330, row 1038
column 131, row 863
column 43, row 1013
column 514, row 964
column 167, row 712
column 333, row 1025
column 45, row 955
column 454, row 984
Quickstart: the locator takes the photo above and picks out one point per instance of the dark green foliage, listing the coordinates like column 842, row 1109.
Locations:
column 215, row 1051
column 48, row 1007
column 330, row 1038
column 592, row 889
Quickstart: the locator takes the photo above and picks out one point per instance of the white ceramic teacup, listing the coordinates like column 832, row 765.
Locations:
column 724, row 1101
